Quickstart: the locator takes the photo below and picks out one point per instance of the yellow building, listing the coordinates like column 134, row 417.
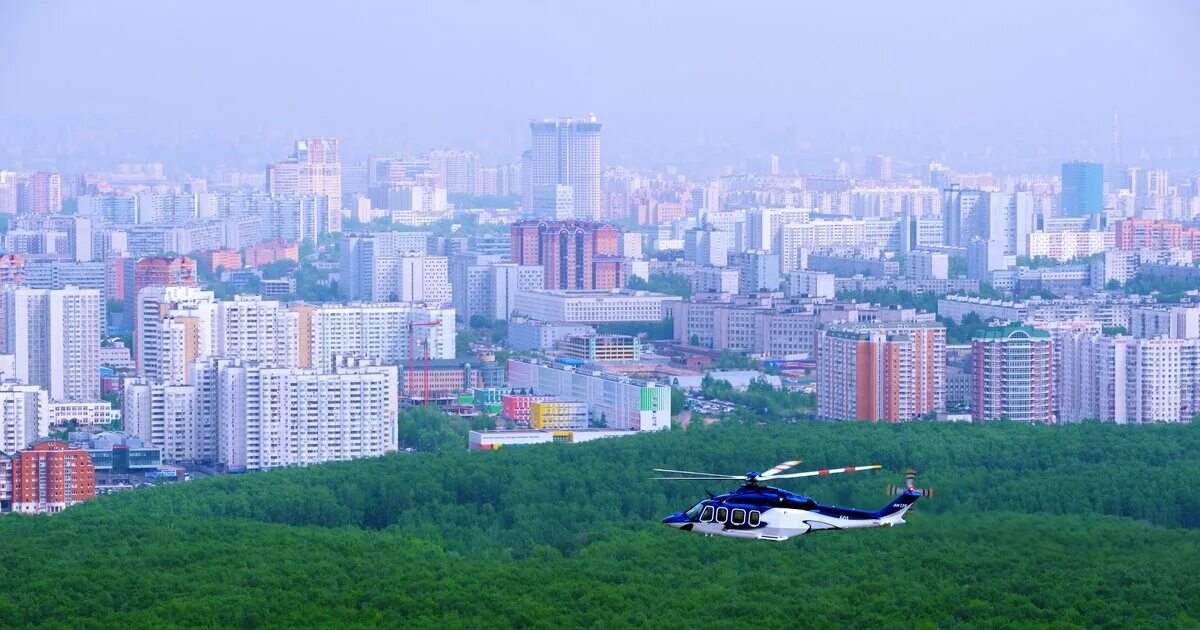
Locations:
column 558, row 414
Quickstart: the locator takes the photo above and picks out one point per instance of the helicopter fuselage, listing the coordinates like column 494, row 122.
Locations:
column 767, row 513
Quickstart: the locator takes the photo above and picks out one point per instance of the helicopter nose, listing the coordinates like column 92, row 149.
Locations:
column 678, row 519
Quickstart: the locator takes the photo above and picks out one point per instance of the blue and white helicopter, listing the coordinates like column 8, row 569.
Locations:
column 759, row 511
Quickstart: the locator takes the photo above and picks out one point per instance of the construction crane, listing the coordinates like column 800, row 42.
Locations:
column 412, row 353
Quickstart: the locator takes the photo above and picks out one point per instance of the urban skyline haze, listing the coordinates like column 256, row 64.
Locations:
column 1022, row 85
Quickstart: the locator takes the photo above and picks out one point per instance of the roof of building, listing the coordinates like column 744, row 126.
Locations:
column 1009, row 332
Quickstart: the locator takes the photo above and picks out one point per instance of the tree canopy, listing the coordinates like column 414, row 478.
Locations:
column 1082, row 525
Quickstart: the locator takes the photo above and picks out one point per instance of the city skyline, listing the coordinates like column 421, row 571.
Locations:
column 1062, row 83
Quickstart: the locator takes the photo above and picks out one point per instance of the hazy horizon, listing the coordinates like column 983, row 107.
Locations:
column 698, row 84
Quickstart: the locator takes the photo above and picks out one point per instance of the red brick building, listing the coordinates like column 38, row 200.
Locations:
column 569, row 251
column 50, row 476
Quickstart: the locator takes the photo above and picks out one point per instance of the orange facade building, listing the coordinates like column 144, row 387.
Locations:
column 163, row 272
column 267, row 253
column 881, row 372
column 50, row 476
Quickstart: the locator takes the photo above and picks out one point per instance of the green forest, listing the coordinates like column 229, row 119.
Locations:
column 1073, row 526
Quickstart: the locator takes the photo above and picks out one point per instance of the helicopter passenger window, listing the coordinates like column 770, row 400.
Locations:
column 722, row 514
column 707, row 515
column 739, row 517
column 754, row 518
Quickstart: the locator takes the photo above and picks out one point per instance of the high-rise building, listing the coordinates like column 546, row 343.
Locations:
column 1003, row 217
column 50, row 477
column 573, row 254
column 24, row 416
column 940, row 177
column 1013, row 375
column 708, row 247
column 1126, row 380
column 881, row 371
column 566, row 152
column 55, row 337
column 1082, row 188
column 172, row 328
column 272, row 417
column 384, row 332
column 168, row 416
column 880, row 167
column 458, row 170
column 758, row 270
column 163, row 272
column 926, row 265
column 368, row 262
column 314, row 168
column 554, row 201
column 40, row 194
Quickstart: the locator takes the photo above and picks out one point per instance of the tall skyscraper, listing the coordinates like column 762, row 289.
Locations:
column 1082, row 188
column 566, row 152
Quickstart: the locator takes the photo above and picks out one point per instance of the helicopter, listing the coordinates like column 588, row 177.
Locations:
column 758, row 511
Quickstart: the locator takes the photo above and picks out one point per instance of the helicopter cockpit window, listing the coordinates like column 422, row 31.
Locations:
column 694, row 511
column 707, row 515
column 722, row 514
column 739, row 517
column 754, row 518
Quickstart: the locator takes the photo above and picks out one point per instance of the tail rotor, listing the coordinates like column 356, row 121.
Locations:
column 910, row 478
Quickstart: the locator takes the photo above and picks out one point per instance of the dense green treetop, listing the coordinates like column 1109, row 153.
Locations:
column 1086, row 525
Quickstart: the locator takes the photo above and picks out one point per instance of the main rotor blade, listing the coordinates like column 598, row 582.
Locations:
column 780, row 468
column 689, row 472
column 818, row 473
column 694, row 478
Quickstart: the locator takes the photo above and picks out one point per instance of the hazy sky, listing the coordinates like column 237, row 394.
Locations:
column 671, row 80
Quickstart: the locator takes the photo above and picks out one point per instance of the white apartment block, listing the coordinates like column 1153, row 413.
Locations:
column 252, row 329
column 506, row 281
column 55, row 337
column 812, row 284
column 168, row 417
column 924, row 265
column 360, row 261
column 483, row 285
column 594, row 306
column 1064, row 246
column 155, row 307
column 412, row 278
column 272, row 417
column 715, row 280
column 622, row 403
column 1126, row 380
column 24, row 415
column 1175, row 322
column 374, row 331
